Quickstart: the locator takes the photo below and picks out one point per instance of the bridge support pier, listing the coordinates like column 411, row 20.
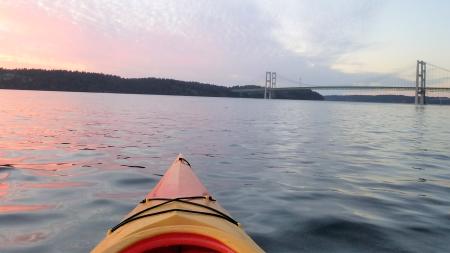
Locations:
column 421, row 78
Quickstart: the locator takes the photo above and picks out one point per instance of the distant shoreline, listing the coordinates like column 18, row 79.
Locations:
column 75, row 81
column 398, row 99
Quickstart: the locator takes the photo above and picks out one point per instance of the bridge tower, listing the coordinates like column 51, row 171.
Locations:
column 421, row 79
column 271, row 82
column 268, row 85
column 274, row 84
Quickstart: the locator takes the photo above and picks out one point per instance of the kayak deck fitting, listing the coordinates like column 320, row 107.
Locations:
column 178, row 215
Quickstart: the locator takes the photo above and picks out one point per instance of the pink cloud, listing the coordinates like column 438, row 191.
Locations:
column 36, row 38
column 32, row 38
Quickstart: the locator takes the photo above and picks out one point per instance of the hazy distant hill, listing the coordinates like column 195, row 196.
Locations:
column 61, row 80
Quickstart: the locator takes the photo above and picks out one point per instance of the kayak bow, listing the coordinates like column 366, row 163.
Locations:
column 178, row 215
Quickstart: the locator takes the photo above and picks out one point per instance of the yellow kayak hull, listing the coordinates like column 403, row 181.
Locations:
column 179, row 219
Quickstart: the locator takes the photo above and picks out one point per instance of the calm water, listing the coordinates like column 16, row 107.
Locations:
column 301, row 176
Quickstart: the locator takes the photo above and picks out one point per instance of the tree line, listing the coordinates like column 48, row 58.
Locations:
column 63, row 80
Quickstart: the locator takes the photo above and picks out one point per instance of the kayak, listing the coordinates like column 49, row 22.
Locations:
column 178, row 215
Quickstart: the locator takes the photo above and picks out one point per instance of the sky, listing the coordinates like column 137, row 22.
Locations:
column 227, row 42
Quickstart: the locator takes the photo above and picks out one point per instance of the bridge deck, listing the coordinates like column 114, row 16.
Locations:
column 393, row 88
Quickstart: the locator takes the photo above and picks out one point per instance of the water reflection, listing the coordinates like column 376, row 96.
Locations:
column 23, row 208
column 301, row 176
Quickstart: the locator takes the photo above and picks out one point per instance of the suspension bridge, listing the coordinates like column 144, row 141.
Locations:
column 426, row 78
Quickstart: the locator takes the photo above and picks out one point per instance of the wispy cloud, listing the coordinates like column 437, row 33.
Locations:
column 226, row 42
